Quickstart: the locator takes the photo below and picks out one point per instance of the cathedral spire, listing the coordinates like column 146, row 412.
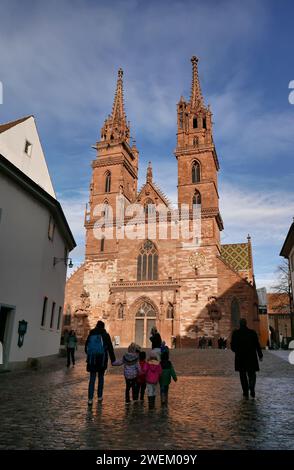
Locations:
column 196, row 99
column 118, row 112
column 116, row 127
column 149, row 173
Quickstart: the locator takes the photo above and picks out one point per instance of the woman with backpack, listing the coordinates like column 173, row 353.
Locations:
column 98, row 347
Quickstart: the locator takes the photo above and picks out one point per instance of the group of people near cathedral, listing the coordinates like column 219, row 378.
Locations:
column 142, row 374
column 147, row 373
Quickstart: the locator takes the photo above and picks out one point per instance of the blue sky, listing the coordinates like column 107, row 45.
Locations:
column 59, row 61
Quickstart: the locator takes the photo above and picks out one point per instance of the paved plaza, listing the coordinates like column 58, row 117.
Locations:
column 47, row 409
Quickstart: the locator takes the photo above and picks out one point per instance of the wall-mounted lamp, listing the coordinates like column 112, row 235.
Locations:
column 65, row 260
column 22, row 329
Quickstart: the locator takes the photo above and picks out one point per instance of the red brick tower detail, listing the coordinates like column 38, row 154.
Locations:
column 197, row 159
column 115, row 171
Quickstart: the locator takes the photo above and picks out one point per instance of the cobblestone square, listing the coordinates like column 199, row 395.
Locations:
column 47, row 409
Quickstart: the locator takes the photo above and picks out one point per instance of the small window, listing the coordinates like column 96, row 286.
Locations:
column 106, row 210
column 28, row 148
column 149, row 207
column 195, row 124
column 204, row 123
column 102, row 244
column 195, row 172
column 45, row 301
column 196, row 198
column 51, row 228
column 59, row 318
column 107, row 182
column 52, row 315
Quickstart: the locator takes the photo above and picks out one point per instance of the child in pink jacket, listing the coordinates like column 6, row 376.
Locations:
column 153, row 373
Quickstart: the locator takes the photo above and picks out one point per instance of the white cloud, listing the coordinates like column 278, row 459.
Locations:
column 265, row 214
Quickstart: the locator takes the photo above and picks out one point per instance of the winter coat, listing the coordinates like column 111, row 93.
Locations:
column 168, row 372
column 131, row 365
column 101, row 363
column 246, row 347
column 141, row 379
column 153, row 371
column 71, row 342
column 156, row 341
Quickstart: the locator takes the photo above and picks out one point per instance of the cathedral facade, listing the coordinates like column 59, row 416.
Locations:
column 187, row 286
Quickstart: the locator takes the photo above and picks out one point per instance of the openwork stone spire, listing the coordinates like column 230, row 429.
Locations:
column 116, row 126
column 196, row 99
column 118, row 113
column 149, row 176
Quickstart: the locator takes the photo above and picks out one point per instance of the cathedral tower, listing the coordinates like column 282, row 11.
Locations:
column 115, row 172
column 197, row 159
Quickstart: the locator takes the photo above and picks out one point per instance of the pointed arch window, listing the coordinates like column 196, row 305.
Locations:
column 170, row 311
column 195, row 172
column 147, row 262
column 195, row 123
column 106, row 210
column 107, row 182
column 235, row 313
column 204, row 123
column 196, row 198
column 149, row 206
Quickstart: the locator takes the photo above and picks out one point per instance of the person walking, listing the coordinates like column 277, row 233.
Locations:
column 130, row 361
column 71, row 346
column 156, row 341
column 98, row 348
column 168, row 373
column 141, row 379
column 245, row 345
column 153, row 373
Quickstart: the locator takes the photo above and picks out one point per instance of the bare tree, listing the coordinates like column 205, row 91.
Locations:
column 284, row 286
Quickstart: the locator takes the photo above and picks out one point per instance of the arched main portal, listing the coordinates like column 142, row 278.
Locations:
column 145, row 319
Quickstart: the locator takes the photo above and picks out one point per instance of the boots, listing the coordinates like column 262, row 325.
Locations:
column 163, row 399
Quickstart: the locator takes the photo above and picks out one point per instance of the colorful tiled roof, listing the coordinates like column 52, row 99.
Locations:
column 237, row 255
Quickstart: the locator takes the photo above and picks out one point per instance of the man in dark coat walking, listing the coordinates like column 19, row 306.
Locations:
column 246, row 347
column 97, row 361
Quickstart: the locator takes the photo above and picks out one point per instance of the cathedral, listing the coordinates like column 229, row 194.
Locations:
column 187, row 288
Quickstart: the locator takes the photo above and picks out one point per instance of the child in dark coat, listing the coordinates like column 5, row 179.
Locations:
column 168, row 372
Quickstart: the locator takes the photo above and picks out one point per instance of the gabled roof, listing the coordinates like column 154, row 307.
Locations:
column 8, row 125
column 28, row 185
column 288, row 243
column 153, row 189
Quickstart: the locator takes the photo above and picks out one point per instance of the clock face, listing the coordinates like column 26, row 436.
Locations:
column 197, row 259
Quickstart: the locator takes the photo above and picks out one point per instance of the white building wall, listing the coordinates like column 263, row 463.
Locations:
column 12, row 147
column 27, row 273
column 291, row 258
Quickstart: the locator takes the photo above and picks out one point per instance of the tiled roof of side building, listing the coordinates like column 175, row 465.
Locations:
column 278, row 303
column 4, row 127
